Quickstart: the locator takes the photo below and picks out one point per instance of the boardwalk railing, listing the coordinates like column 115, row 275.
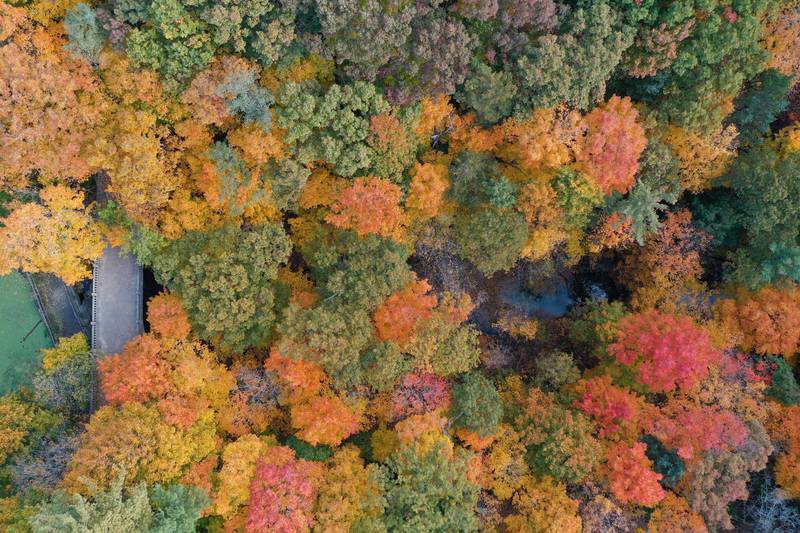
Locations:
column 38, row 299
column 95, row 283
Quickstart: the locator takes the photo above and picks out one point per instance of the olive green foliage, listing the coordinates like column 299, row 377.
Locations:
column 258, row 29
column 287, row 178
column 592, row 324
column 176, row 51
column 489, row 93
column 476, row 180
column 553, row 370
column 67, row 388
column 783, row 386
column 434, row 61
column 577, row 196
column 445, row 348
column 384, row 364
column 359, row 272
column 475, row 405
column 327, row 336
column 364, row 36
column 491, row 239
column 331, row 125
column 567, row 449
column 427, row 492
column 572, row 66
column 225, row 279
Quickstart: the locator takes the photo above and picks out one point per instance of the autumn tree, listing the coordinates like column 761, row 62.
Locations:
column 691, row 431
column 673, row 514
column 136, row 439
column 239, row 459
column 768, row 319
column 543, row 505
column 167, row 317
column 419, row 393
column 370, row 205
column 613, row 144
column 22, row 423
column 614, row 409
column 130, row 148
column 722, row 477
column 426, row 191
column 631, row 475
column 396, row 318
column 666, row 351
column 51, row 104
column 349, row 494
column 560, row 442
column 227, row 90
column 57, row 236
column 668, row 266
column 324, row 420
column 282, row 493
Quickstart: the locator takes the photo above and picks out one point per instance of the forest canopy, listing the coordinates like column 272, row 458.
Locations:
column 422, row 265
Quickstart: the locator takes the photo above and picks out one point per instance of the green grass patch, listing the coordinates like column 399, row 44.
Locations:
column 22, row 333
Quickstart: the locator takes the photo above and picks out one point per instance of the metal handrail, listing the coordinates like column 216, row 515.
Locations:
column 39, row 306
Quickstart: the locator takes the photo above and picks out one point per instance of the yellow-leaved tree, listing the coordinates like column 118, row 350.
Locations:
column 57, row 236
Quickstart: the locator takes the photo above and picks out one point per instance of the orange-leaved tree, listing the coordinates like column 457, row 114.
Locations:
column 769, row 319
column 167, row 317
column 50, row 103
column 631, row 475
column 369, row 205
column 397, row 316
